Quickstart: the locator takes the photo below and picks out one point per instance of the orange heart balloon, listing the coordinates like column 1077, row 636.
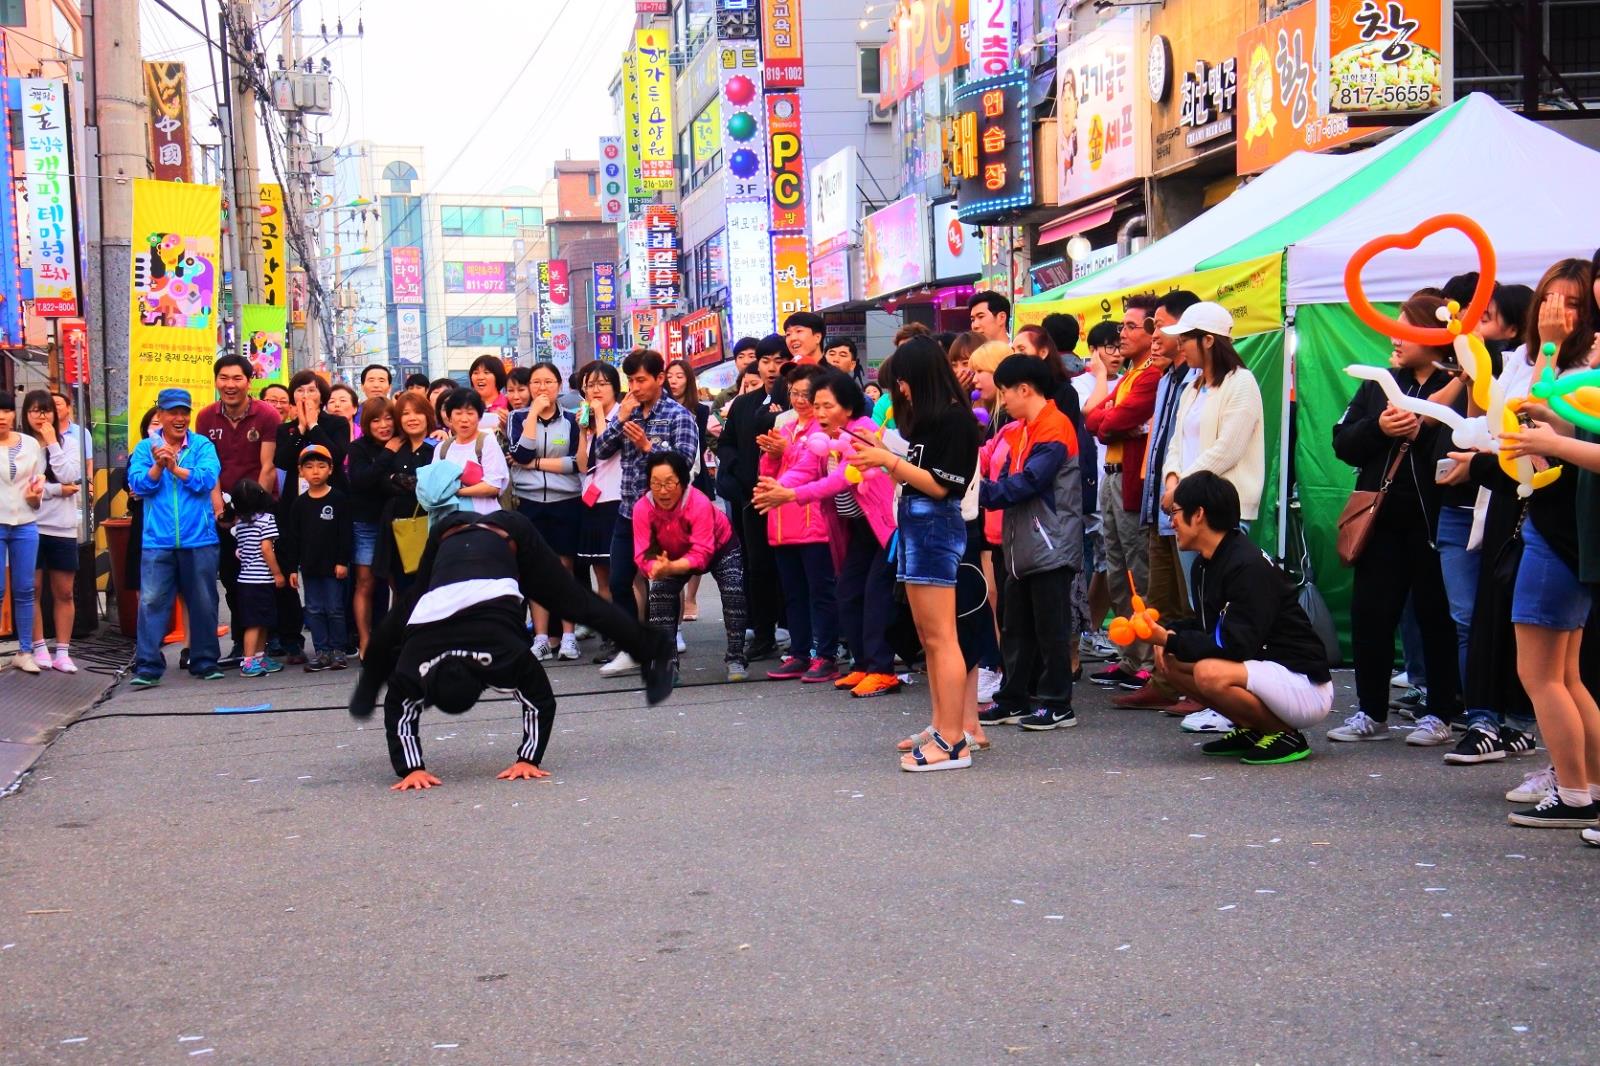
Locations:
column 1429, row 335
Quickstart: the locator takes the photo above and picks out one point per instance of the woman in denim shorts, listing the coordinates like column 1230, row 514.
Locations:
column 940, row 460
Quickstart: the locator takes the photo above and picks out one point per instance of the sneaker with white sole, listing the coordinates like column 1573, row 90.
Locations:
column 1431, row 732
column 1516, row 741
column 1206, row 721
column 622, row 664
column 682, row 647
column 1591, row 837
column 1553, row 813
column 1360, row 726
column 541, row 649
column 63, row 662
column 1400, row 680
column 569, row 648
column 41, row 655
column 989, row 682
column 1476, row 746
column 1535, row 787
column 582, row 632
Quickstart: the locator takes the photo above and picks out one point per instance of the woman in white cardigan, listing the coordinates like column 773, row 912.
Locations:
column 1218, row 426
column 58, row 529
column 21, row 489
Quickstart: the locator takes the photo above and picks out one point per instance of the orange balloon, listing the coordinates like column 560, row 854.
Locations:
column 1120, row 632
column 1141, row 626
column 1429, row 335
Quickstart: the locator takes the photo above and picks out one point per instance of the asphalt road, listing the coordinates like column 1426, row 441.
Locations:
column 742, row 876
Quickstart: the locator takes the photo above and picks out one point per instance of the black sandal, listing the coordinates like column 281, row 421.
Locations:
column 958, row 756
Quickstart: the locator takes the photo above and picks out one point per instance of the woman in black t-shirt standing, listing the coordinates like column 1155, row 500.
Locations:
column 941, row 460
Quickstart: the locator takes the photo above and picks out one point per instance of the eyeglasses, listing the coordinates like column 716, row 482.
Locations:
column 670, row 483
column 1147, row 326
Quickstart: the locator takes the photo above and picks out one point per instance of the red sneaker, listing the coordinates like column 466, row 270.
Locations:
column 821, row 669
column 787, row 670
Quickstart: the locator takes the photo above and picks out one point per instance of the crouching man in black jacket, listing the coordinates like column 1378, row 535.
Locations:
column 1251, row 654
column 462, row 628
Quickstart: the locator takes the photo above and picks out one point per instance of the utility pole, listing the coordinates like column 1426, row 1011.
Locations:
column 238, row 23
column 115, row 149
column 306, row 342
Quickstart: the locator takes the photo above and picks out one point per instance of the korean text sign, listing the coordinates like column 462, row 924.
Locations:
column 176, row 279
column 55, row 241
column 791, row 275
column 271, row 260
column 1279, row 111
column 661, row 255
column 605, row 287
column 654, row 115
column 1385, row 55
column 927, row 39
column 782, row 47
column 405, row 266
column 990, row 154
column 1099, row 138
column 992, row 31
column 743, row 148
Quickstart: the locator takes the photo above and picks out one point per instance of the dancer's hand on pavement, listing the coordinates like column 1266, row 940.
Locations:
column 521, row 771
column 415, row 780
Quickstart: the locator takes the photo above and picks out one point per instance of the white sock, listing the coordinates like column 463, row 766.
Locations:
column 41, row 650
column 1594, row 793
column 1574, row 797
column 61, row 647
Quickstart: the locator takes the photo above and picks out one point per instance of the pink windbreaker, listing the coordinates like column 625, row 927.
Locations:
column 800, row 522
column 874, row 494
column 694, row 530
column 992, row 458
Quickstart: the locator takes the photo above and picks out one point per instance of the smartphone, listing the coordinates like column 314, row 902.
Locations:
column 1443, row 469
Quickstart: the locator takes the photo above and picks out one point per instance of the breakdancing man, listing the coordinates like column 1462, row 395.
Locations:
column 462, row 629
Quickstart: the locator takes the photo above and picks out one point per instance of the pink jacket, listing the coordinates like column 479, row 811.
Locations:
column 800, row 522
column 992, row 458
column 694, row 530
column 874, row 494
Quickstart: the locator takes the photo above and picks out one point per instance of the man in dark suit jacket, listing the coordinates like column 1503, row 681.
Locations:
column 738, row 466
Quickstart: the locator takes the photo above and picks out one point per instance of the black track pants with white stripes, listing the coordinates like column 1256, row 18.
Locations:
column 523, row 677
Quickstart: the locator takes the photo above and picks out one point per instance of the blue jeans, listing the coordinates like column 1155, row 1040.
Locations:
column 806, row 573
column 1461, row 569
column 192, row 574
column 623, row 568
column 325, row 613
column 20, row 544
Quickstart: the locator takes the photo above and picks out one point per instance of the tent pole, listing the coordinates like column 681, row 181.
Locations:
column 1291, row 352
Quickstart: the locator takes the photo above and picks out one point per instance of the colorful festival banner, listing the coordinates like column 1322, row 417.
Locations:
column 55, row 238
column 166, row 86
column 1252, row 292
column 272, row 262
column 263, row 334
column 653, row 119
column 172, row 311
column 1278, row 78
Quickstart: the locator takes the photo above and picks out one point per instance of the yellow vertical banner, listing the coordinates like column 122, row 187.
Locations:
column 653, row 119
column 271, row 260
column 176, row 284
column 630, row 123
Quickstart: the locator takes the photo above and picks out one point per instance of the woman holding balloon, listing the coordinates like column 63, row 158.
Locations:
column 800, row 537
column 859, row 511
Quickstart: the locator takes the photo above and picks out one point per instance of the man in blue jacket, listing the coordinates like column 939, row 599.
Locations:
column 173, row 473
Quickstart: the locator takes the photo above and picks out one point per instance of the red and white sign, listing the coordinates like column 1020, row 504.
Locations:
column 993, row 22
column 74, row 351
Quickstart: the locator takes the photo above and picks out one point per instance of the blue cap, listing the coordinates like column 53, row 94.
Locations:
column 171, row 398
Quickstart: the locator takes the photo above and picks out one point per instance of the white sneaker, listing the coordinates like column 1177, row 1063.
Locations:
column 1206, row 721
column 1430, row 733
column 63, row 662
column 780, row 635
column 989, row 682
column 1400, row 680
column 682, row 647
column 1591, row 837
column 1535, row 787
column 41, row 657
column 622, row 664
column 569, row 647
column 24, row 661
column 582, row 632
column 541, row 649
column 1360, row 727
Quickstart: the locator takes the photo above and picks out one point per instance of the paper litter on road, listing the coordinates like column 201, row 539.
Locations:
column 189, row 1039
column 1424, row 865
column 1229, row 907
column 1519, row 1028
column 1435, row 890
column 1055, row 917
column 75, row 1040
column 202, row 1051
column 49, row 910
column 254, row 708
column 1018, row 902
column 1197, row 836
column 439, row 1047
column 1124, row 947
column 1266, row 892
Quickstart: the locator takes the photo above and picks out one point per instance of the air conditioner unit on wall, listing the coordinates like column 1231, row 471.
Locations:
column 879, row 116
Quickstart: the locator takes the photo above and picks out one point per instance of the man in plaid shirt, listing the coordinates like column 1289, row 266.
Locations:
column 646, row 420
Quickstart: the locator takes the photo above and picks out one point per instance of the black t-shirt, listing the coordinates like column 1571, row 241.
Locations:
column 946, row 446
column 318, row 533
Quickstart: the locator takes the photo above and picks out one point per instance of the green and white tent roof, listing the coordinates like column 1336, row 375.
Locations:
column 1523, row 183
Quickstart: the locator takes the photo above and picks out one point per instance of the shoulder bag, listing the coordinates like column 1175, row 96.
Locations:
column 1361, row 510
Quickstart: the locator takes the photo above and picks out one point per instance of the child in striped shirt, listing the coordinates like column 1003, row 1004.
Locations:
column 256, row 534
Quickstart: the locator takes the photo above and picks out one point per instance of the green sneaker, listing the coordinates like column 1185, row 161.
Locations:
column 1273, row 748
column 144, row 681
column 1233, row 743
column 212, row 674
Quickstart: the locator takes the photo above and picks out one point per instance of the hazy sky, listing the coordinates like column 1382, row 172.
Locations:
column 430, row 73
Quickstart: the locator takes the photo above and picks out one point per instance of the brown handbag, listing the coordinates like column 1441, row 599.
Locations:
column 1361, row 510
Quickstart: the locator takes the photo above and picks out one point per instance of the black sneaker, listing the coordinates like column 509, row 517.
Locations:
column 1117, row 674
column 607, row 652
column 1551, row 813
column 1045, row 719
column 760, row 647
column 998, row 715
column 660, row 669
column 1475, row 746
column 1233, row 743
column 1273, row 748
column 323, row 661
column 1410, row 702
column 1517, row 742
